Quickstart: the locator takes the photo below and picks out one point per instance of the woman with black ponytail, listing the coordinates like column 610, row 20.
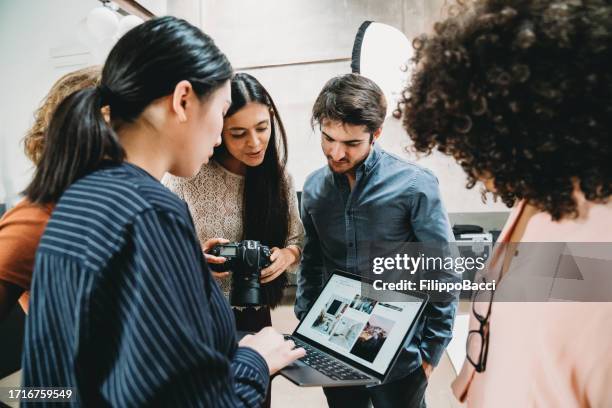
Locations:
column 123, row 308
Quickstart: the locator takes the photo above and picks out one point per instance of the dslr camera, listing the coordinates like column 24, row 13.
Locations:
column 245, row 260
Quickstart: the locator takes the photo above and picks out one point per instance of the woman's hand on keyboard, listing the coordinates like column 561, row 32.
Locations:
column 273, row 347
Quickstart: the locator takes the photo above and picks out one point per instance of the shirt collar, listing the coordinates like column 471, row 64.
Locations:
column 134, row 169
column 372, row 159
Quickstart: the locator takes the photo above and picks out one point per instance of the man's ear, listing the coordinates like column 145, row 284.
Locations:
column 376, row 134
column 182, row 92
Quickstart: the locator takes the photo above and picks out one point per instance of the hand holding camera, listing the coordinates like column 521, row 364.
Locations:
column 212, row 259
column 245, row 260
column 281, row 260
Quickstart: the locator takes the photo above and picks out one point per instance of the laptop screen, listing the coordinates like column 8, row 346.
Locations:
column 365, row 330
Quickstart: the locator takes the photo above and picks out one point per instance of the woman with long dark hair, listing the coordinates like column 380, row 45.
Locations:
column 123, row 309
column 250, row 195
column 245, row 192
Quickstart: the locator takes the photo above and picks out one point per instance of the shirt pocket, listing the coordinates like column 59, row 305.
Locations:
column 382, row 222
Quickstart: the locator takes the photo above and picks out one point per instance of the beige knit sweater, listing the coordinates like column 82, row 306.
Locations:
column 215, row 200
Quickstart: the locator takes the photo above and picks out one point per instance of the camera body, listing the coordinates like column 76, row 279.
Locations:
column 245, row 260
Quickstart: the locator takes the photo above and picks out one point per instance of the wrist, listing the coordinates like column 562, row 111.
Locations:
column 295, row 251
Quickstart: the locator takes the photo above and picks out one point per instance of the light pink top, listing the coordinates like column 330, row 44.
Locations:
column 546, row 354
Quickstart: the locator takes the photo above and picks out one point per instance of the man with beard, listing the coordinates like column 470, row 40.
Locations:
column 364, row 195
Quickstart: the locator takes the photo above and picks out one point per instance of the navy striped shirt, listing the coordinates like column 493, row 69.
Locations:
column 123, row 307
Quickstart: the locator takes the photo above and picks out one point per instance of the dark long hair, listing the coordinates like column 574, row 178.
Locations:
column 266, row 209
column 145, row 64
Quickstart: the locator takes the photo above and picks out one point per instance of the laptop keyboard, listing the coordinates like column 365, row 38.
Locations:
column 327, row 365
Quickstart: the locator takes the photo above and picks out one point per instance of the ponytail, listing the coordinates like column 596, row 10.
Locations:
column 144, row 65
column 78, row 140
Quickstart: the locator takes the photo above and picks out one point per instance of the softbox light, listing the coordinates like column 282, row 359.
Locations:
column 383, row 54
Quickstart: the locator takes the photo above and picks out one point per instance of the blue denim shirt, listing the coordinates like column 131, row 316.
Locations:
column 392, row 200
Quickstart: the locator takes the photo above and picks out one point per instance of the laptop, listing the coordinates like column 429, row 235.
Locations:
column 351, row 337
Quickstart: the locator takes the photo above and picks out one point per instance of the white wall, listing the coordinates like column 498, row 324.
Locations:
column 255, row 33
column 29, row 30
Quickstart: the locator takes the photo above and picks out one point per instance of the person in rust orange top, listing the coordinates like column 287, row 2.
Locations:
column 22, row 226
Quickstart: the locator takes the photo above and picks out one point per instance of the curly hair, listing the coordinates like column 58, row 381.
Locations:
column 34, row 140
column 519, row 91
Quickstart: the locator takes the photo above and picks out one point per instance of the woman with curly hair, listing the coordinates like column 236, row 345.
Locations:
column 22, row 226
column 519, row 92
